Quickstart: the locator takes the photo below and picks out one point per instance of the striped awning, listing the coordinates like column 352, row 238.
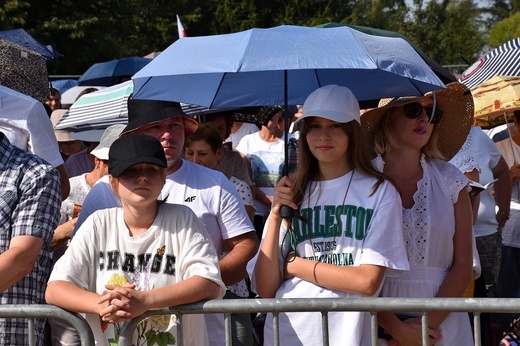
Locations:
column 99, row 109
column 502, row 61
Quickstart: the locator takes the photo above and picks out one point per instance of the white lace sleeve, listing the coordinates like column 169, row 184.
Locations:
column 454, row 179
column 464, row 160
column 465, row 163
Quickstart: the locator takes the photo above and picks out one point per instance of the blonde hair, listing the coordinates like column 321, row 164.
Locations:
column 386, row 137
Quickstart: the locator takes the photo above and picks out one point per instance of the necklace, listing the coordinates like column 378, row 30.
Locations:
column 333, row 244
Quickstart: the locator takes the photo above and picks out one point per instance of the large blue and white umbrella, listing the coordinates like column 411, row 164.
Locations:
column 282, row 66
column 501, row 61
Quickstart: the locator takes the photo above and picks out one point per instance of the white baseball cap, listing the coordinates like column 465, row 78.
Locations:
column 333, row 102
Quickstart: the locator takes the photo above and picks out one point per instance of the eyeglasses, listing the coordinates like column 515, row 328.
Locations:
column 414, row 110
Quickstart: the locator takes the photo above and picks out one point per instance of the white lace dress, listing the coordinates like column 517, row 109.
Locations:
column 428, row 233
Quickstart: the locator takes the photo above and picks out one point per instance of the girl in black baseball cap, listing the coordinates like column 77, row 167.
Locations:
column 144, row 255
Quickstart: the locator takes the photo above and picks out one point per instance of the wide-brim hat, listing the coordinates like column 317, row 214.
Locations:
column 145, row 112
column 456, row 103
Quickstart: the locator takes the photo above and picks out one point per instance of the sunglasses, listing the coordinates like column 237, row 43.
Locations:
column 414, row 110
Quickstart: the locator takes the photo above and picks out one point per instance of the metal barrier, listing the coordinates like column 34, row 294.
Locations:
column 275, row 306
column 325, row 305
column 48, row 311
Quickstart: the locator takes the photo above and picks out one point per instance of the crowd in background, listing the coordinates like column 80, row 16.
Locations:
column 165, row 211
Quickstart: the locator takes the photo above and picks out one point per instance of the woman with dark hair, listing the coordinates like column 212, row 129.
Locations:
column 347, row 236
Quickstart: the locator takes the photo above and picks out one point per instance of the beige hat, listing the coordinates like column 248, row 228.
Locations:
column 456, row 103
column 61, row 135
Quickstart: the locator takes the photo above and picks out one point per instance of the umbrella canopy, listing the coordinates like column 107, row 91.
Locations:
column 98, row 110
column 282, row 66
column 502, row 61
column 23, row 70
column 496, row 100
column 63, row 85
column 24, row 39
column 109, row 73
column 444, row 74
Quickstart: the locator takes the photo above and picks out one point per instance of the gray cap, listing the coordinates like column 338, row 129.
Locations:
column 109, row 136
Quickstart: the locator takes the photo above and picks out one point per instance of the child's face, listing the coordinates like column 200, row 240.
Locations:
column 327, row 141
column 141, row 184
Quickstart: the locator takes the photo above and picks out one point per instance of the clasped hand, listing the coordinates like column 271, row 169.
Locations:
column 411, row 334
column 122, row 303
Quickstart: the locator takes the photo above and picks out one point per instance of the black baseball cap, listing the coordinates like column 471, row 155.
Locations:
column 132, row 149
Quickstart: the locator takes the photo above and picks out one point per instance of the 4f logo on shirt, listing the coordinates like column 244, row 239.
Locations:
column 190, row 199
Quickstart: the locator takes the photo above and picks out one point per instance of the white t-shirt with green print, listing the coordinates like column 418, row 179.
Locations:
column 368, row 230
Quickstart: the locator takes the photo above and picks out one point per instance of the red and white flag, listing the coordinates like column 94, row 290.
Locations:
column 180, row 27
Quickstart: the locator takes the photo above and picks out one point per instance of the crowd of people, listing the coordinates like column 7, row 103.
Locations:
column 166, row 210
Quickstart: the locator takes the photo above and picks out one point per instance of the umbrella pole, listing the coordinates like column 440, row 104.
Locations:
column 285, row 211
column 510, row 139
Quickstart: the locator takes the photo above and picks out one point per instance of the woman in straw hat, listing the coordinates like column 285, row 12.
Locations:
column 145, row 255
column 348, row 234
column 412, row 137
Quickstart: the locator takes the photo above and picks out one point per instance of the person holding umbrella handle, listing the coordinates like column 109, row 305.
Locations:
column 347, row 234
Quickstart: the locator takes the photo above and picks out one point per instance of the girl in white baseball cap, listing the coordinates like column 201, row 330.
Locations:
column 347, row 234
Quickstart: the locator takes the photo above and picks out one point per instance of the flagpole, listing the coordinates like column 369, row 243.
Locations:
column 180, row 28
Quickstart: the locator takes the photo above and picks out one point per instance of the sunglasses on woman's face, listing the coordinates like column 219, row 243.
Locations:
column 414, row 110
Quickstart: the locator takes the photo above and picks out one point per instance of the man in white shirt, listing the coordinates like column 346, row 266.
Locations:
column 26, row 124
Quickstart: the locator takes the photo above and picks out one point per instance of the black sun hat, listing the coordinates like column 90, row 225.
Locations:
column 456, row 103
column 132, row 149
column 145, row 112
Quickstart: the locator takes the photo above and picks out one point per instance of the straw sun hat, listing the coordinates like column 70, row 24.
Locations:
column 456, row 103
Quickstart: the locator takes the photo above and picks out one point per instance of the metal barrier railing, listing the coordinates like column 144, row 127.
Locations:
column 276, row 306
column 325, row 305
column 48, row 311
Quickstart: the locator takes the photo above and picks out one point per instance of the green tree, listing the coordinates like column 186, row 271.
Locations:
column 447, row 30
column 387, row 15
column 13, row 14
column 91, row 31
column 505, row 30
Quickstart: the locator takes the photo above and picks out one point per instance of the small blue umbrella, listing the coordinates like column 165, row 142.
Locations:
column 112, row 72
column 282, row 66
